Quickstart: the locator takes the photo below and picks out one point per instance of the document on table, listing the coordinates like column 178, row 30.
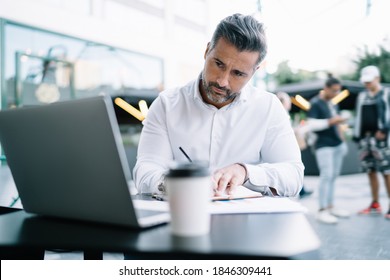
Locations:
column 263, row 204
column 239, row 192
column 249, row 205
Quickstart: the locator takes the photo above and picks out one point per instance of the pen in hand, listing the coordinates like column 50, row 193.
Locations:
column 185, row 154
column 189, row 159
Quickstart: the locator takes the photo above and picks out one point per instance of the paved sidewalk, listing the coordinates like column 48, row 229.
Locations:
column 358, row 237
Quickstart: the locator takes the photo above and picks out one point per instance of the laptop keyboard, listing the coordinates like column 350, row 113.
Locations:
column 141, row 213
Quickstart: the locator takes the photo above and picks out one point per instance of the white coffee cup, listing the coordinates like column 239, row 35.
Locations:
column 189, row 189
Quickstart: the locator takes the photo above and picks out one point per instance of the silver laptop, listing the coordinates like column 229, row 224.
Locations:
column 67, row 160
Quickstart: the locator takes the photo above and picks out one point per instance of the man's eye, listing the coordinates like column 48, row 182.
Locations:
column 219, row 64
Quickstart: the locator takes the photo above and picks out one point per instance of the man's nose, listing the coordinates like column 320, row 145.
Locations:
column 223, row 79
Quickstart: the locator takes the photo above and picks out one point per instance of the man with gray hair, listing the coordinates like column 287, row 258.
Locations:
column 242, row 132
column 372, row 125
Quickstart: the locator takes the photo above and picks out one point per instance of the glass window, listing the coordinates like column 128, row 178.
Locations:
column 33, row 57
column 43, row 67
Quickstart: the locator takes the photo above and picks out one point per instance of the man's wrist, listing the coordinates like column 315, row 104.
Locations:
column 246, row 178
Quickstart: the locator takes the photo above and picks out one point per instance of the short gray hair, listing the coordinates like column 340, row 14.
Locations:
column 244, row 32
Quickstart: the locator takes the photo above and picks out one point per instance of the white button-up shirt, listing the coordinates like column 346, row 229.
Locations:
column 254, row 130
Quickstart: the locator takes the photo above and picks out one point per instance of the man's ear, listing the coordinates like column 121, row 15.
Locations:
column 255, row 69
column 207, row 50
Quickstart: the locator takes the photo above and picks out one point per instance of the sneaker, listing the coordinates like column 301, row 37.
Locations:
column 387, row 215
column 340, row 213
column 325, row 217
column 373, row 209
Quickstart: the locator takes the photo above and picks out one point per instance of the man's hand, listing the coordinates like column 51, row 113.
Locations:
column 227, row 178
column 336, row 120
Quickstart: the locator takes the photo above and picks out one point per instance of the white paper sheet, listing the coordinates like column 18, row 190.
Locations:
column 250, row 205
column 240, row 192
column 257, row 205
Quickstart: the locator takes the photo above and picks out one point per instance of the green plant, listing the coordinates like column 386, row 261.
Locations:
column 285, row 75
column 379, row 58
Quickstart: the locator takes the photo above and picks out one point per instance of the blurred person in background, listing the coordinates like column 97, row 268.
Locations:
column 372, row 124
column 330, row 148
column 300, row 135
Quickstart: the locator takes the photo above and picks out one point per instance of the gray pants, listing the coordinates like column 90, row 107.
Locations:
column 329, row 161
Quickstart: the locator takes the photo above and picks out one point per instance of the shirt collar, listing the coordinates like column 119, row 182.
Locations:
column 196, row 91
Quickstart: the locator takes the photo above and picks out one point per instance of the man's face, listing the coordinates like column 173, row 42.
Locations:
column 226, row 72
column 332, row 91
column 373, row 85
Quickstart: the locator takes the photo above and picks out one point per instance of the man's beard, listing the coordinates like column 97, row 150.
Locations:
column 215, row 97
